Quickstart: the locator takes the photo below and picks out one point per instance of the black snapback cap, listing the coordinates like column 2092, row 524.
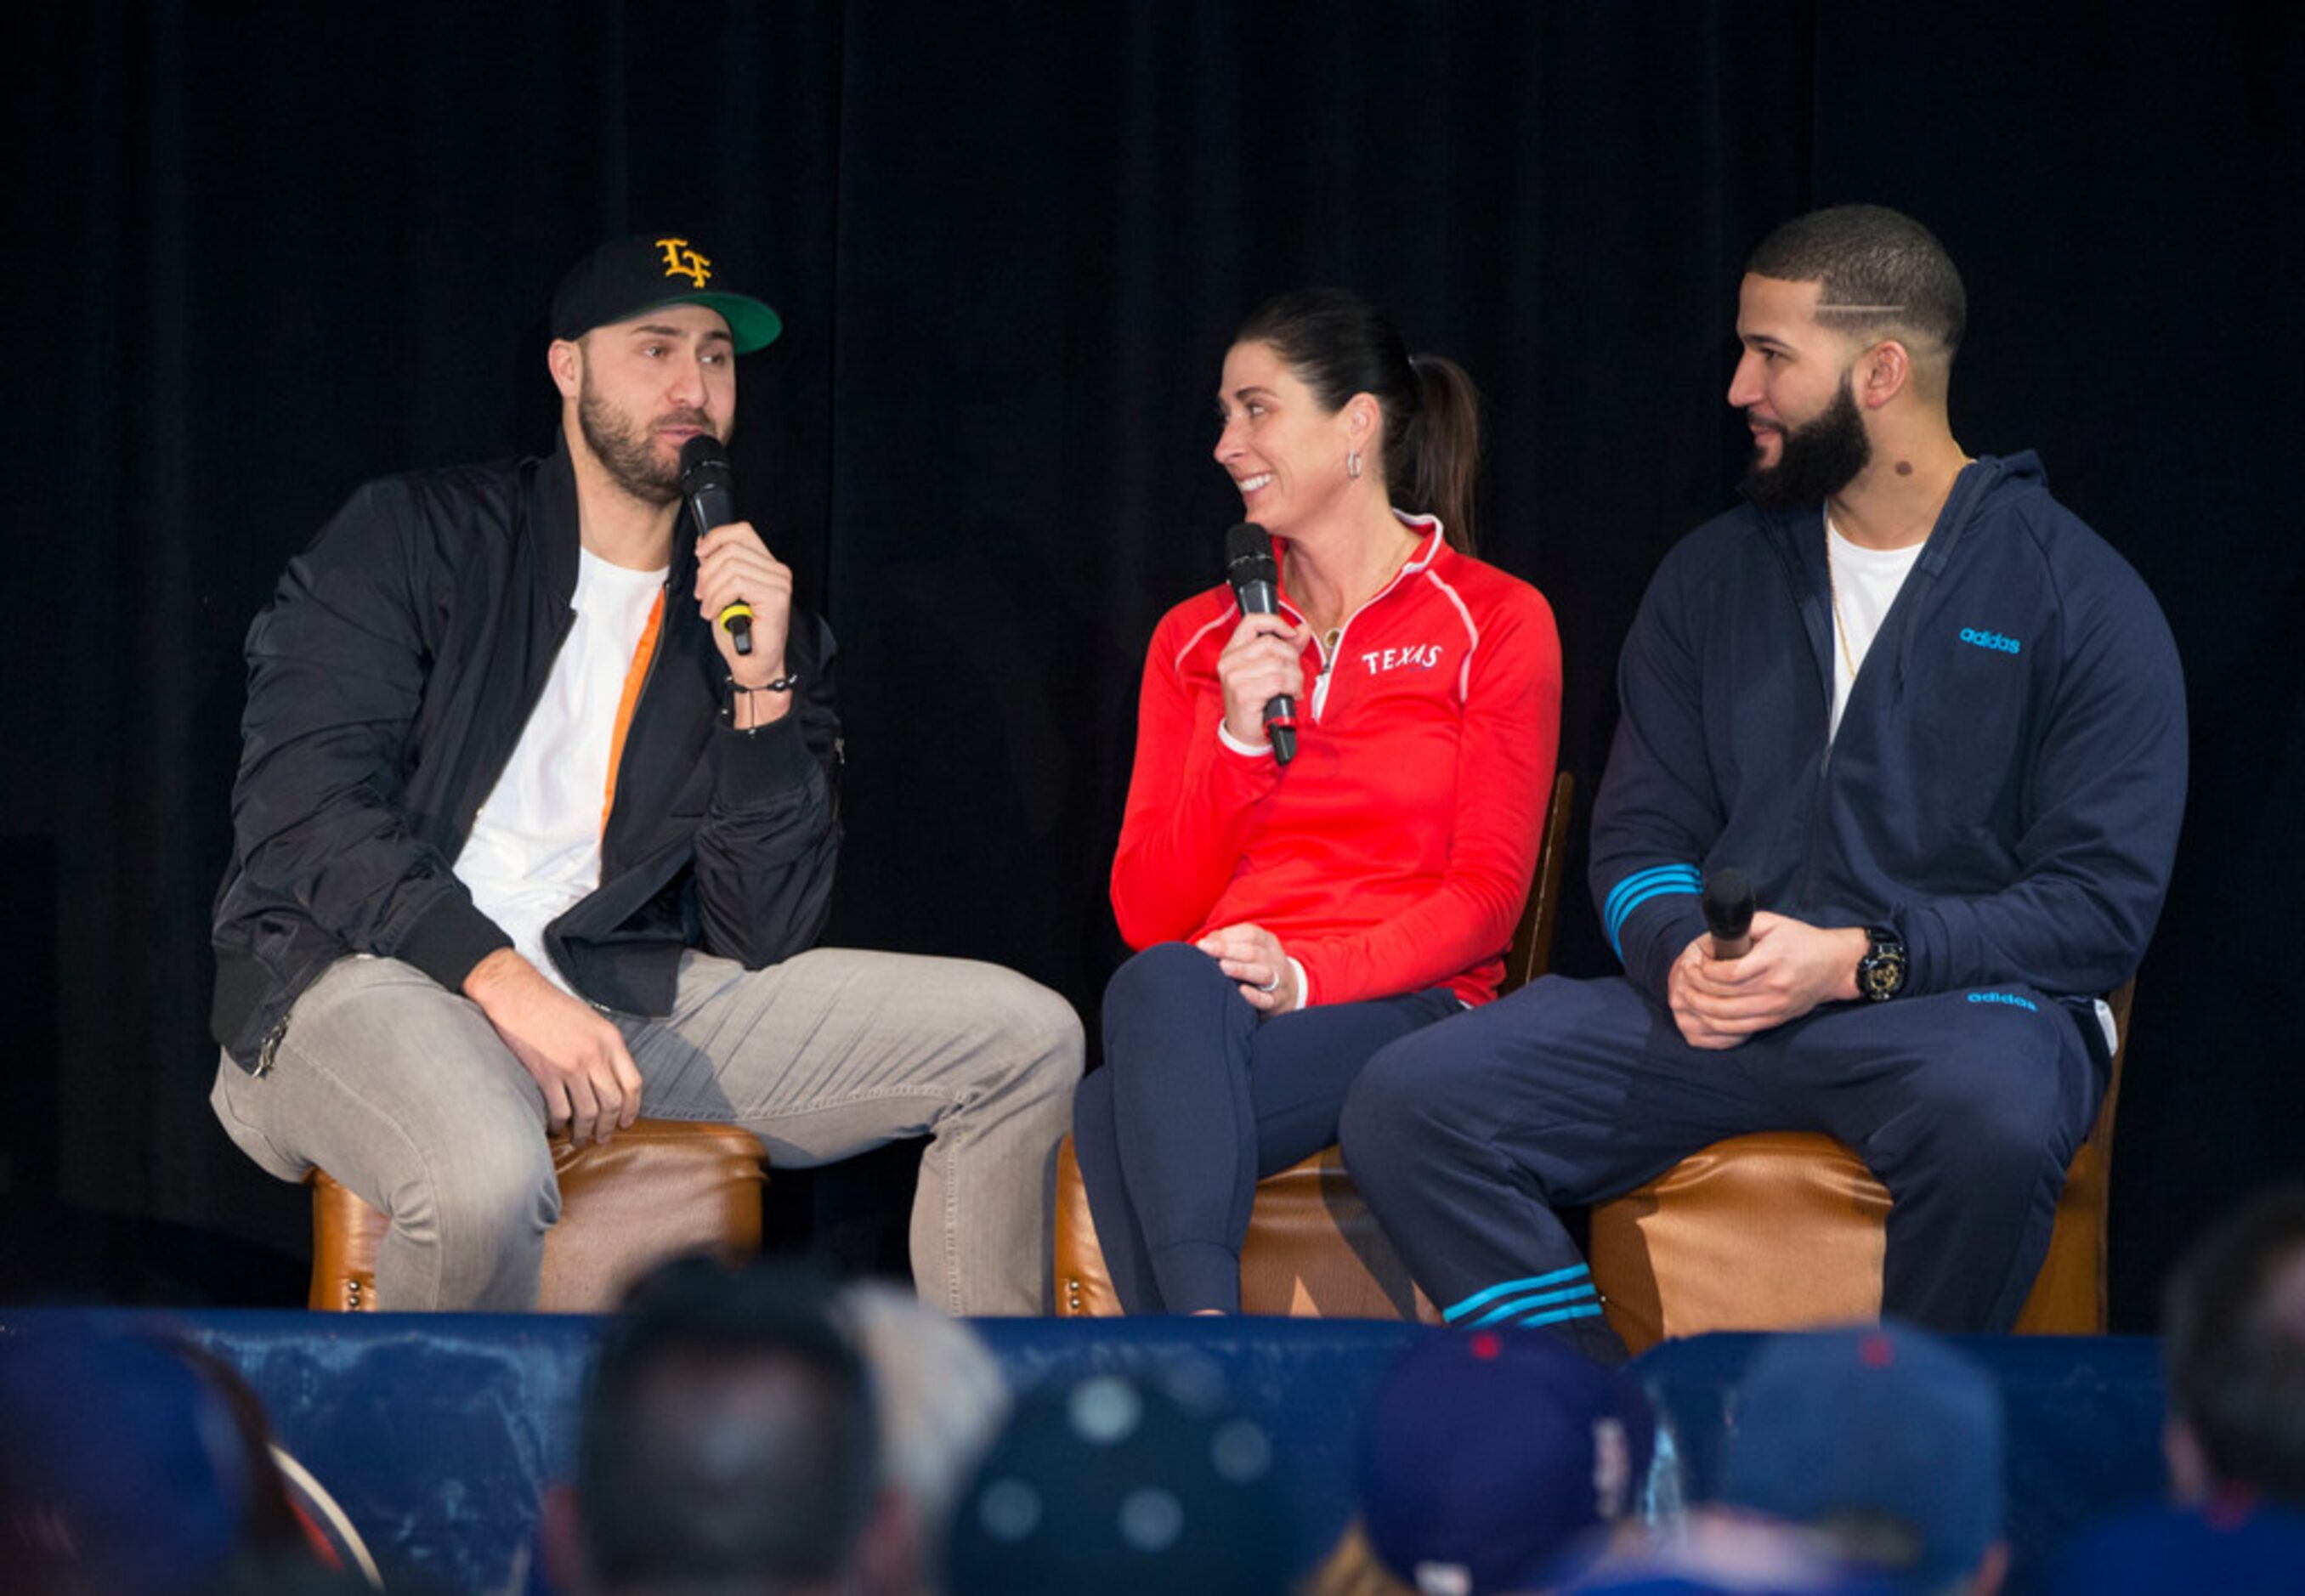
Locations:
column 627, row 277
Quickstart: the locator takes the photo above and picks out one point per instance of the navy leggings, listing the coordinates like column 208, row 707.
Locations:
column 1199, row 1098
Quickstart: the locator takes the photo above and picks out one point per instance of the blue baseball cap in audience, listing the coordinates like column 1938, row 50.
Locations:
column 1113, row 1485
column 1887, row 1436
column 1483, row 1456
column 122, row 1463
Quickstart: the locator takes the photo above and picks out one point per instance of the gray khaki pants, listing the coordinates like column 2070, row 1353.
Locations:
column 401, row 1089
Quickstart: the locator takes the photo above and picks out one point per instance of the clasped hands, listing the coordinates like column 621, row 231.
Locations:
column 1793, row 966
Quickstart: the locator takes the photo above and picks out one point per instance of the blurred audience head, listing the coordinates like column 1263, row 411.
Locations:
column 2234, row 1344
column 941, row 1396
column 1483, row 1457
column 1887, row 1442
column 276, row 1533
column 1116, row 1485
column 727, row 1445
column 122, row 1470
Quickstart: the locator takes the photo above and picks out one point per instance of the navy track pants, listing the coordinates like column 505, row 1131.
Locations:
column 1968, row 1106
column 1199, row 1098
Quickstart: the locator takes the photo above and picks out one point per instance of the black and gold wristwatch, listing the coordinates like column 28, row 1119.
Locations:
column 1881, row 972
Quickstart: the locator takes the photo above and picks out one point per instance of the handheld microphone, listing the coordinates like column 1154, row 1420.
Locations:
column 1256, row 586
column 709, row 483
column 1729, row 912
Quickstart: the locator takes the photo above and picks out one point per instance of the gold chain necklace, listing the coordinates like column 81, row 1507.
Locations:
column 1833, row 591
column 1833, row 595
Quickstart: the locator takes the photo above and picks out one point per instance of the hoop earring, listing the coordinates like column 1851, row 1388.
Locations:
column 1353, row 465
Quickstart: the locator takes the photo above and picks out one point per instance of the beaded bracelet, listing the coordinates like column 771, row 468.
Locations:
column 784, row 683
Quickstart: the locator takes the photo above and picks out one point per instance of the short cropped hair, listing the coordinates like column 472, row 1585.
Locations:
column 2236, row 1362
column 1890, row 270
column 728, row 1440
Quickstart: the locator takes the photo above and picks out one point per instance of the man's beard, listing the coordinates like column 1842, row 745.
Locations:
column 628, row 451
column 1815, row 460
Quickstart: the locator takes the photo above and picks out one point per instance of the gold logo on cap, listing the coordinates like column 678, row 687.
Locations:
column 681, row 262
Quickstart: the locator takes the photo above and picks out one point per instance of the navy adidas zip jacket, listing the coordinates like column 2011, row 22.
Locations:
column 2005, row 789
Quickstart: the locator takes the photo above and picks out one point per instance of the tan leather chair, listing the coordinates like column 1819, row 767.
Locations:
column 663, row 1187
column 1786, row 1229
column 1314, row 1250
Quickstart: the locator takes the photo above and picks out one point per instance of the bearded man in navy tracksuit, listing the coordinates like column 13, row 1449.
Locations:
column 1940, row 724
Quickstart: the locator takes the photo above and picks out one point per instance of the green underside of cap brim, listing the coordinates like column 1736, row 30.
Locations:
column 752, row 325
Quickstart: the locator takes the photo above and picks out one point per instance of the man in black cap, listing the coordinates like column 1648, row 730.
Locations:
column 522, row 839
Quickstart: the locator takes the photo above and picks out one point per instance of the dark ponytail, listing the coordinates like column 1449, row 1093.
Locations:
column 1338, row 346
column 1444, row 439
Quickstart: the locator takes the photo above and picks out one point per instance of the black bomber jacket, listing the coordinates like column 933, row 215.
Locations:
column 387, row 684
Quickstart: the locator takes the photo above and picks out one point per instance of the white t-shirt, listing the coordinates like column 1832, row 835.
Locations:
column 535, row 847
column 1864, row 583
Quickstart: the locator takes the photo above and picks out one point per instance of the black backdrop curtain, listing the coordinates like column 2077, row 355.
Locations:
column 260, row 252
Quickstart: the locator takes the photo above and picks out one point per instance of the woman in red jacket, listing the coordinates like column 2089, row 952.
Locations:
column 1292, row 917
